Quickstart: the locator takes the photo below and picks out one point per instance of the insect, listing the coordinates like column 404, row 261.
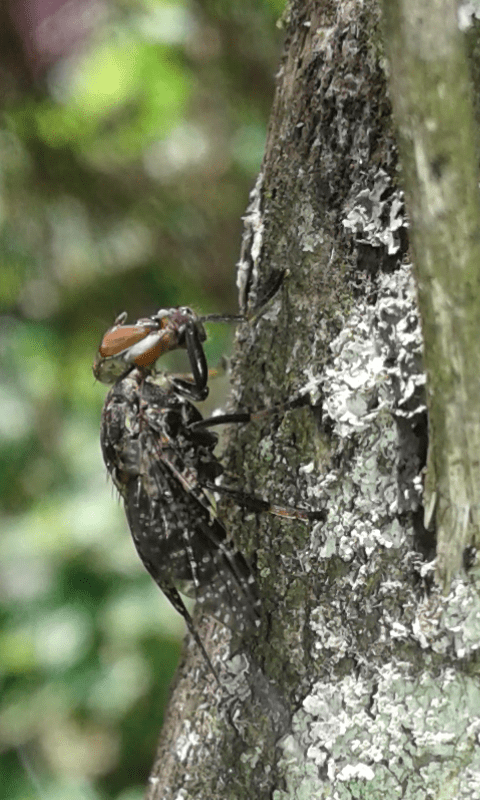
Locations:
column 125, row 347
column 160, row 454
column 162, row 466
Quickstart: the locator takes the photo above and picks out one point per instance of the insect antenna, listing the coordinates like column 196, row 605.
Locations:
column 223, row 318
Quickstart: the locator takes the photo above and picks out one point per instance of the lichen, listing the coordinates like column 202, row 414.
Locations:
column 376, row 731
column 386, row 731
column 466, row 12
column 375, row 377
column 252, row 240
column 376, row 216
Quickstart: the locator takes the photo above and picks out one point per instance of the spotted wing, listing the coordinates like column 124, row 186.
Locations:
column 158, row 463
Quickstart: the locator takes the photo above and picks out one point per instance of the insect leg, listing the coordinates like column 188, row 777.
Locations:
column 251, row 416
column 258, row 505
column 196, row 389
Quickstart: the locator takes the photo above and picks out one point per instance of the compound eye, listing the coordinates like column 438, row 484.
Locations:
column 163, row 317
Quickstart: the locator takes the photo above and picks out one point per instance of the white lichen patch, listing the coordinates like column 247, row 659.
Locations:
column 375, row 378
column 252, row 242
column 385, row 732
column 377, row 359
column 186, row 742
column 403, row 719
column 467, row 11
column 377, row 215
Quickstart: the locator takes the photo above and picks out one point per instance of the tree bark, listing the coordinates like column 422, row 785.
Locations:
column 433, row 102
column 361, row 681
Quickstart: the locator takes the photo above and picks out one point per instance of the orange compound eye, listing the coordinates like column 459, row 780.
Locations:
column 122, row 338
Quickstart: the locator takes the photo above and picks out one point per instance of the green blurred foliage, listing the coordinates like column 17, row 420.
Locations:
column 123, row 178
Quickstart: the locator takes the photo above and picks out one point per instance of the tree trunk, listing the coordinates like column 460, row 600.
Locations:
column 361, row 681
column 433, row 103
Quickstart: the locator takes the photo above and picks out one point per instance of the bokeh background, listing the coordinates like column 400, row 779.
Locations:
column 131, row 132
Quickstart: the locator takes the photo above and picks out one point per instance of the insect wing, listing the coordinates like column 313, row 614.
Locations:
column 157, row 462
column 177, row 532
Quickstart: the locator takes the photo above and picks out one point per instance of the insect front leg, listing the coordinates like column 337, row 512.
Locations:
column 196, row 389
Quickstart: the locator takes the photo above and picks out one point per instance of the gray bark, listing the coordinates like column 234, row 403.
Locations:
column 361, row 681
column 434, row 108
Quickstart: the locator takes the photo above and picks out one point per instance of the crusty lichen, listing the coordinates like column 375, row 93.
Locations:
column 376, row 216
column 247, row 267
column 405, row 721
column 391, row 735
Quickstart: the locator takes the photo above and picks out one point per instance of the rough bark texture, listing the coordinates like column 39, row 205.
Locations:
column 362, row 681
column 434, row 109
